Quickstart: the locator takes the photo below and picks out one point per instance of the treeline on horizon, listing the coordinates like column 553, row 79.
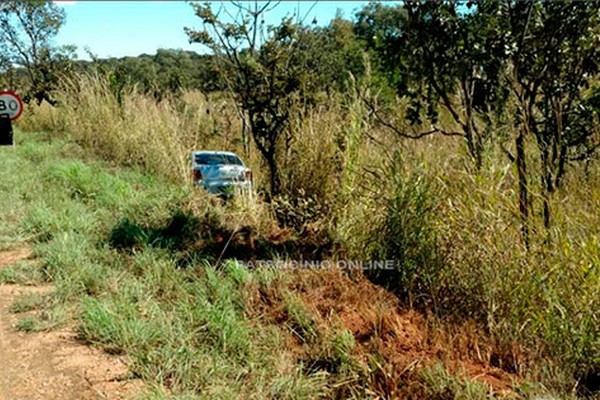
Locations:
column 336, row 51
column 161, row 74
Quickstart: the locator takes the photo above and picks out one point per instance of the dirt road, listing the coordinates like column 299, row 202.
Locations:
column 53, row 365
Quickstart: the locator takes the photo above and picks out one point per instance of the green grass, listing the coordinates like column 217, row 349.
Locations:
column 28, row 324
column 22, row 273
column 185, row 330
column 453, row 231
column 440, row 385
column 28, row 302
column 47, row 318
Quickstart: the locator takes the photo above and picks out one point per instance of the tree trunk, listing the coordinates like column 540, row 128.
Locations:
column 473, row 143
column 274, row 180
column 471, row 134
column 547, row 186
column 523, row 187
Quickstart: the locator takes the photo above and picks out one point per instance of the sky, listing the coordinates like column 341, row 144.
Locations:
column 131, row 28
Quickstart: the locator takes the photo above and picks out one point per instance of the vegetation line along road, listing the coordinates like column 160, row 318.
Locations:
column 456, row 140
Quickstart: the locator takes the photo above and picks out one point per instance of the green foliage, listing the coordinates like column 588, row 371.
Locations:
column 320, row 51
column 515, row 80
column 272, row 80
column 301, row 321
column 21, row 273
column 381, row 28
column 537, row 57
column 166, row 73
column 260, row 76
column 432, row 51
column 43, row 321
column 555, row 57
column 27, row 28
column 28, row 302
column 178, row 233
column 27, row 324
column 298, row 210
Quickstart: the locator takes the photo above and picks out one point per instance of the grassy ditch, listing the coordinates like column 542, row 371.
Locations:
column 112, row 240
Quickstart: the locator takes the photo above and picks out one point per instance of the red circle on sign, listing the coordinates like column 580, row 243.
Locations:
column 18, row 100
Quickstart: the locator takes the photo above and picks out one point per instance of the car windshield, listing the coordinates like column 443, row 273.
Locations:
column 217, row 159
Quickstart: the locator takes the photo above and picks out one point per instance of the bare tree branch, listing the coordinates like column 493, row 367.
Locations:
column 402, row 133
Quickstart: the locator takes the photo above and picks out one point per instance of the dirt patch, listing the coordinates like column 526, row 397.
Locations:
column 10, row 257
column 53, row 365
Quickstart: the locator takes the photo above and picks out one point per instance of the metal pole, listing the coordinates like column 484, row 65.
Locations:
column 6, row 131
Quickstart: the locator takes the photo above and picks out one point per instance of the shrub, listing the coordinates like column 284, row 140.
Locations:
column 403, row 232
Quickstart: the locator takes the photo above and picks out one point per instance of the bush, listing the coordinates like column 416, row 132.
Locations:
column 404, row 233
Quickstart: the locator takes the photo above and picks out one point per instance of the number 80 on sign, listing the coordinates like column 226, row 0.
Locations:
column 11, row 105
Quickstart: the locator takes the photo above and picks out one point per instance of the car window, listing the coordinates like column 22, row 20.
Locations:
column 217, row 159
column 234, row 160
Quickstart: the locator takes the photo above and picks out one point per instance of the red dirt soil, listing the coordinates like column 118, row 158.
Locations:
column 381, row 326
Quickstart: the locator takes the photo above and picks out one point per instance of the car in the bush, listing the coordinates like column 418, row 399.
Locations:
column 220, row 172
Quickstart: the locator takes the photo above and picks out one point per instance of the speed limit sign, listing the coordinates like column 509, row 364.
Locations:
column 11, row 105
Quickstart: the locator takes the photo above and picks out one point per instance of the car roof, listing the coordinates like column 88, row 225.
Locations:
column 214, row 152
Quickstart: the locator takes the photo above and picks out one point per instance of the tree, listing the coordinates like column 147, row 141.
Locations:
column 553, row 53
column 328, row 55
column 381, row 28
column 471, row 57
column 430, row 52
column 257, row 64
column 27, row 27
column 160, row 75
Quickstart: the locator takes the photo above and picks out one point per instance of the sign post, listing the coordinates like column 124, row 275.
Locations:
column 6, row 132
column 11, row 108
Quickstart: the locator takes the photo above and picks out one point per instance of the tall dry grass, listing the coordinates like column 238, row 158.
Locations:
column 134, row 129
